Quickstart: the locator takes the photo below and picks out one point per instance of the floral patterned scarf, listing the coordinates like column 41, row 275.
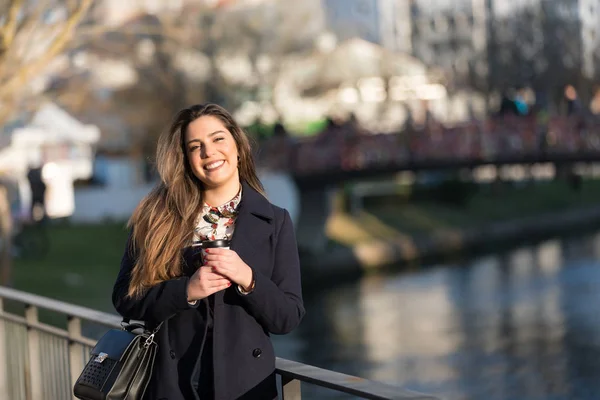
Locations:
column 217, row 222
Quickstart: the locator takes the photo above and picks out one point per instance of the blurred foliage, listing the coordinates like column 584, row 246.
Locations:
column 451, row 192
column 260, row 131
column 308, row 128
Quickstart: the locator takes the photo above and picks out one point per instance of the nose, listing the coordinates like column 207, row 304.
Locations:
column 206, row 151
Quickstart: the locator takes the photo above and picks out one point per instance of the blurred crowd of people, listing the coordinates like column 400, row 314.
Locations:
column 344, row 149
column 518, row 128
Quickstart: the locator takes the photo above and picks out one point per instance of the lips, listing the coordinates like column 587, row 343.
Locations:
column 214, row 165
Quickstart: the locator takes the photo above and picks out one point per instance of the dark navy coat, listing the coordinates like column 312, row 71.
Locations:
column 244, row 359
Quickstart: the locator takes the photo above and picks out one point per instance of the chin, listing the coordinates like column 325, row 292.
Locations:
column 216, row 181
column 211, row 184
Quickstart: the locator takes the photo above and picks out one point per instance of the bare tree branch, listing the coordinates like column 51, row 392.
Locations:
column 170, row 32
column 17, row 71
column 10, row 28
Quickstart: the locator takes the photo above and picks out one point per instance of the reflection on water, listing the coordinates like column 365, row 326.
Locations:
column 524, row 324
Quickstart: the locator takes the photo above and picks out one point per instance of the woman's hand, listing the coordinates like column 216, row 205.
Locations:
column 227, row 263
column 205, row 282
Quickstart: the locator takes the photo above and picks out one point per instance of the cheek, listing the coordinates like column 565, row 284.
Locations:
column 193, row 161
column 232, row 152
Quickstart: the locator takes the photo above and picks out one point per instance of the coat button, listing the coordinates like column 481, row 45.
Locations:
column 172, row 354
column 256, row 353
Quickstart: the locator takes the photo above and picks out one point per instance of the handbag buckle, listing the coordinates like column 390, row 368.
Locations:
column 149, row 340
column 100, row 358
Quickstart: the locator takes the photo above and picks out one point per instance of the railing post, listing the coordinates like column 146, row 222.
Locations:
column 75, row 350
column 33, row 372
column 3, row 356
column 291, row 389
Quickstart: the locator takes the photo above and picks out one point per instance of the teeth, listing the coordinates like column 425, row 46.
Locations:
column 214, row 165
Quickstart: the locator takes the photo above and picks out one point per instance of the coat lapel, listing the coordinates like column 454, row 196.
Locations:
column 253, row 224
column 253, row 227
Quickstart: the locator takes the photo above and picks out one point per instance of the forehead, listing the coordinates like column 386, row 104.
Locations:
column 202, row 127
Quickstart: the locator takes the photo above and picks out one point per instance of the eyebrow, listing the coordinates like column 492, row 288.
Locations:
column 209, row 135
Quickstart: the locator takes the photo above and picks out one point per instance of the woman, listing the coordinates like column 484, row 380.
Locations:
column 217, row 315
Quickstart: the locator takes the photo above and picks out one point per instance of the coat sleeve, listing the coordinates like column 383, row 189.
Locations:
column 157, row 304
column 276, row 302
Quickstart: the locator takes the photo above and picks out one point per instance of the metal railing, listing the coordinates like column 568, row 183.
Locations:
column 39, row 361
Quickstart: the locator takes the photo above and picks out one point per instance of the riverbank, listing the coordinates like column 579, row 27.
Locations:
column 84, row 259
column 394, row 232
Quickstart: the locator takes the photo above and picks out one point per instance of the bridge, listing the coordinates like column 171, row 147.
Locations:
column 345, row 154
column 39, row 361
column 390, row 168
column 319, row 165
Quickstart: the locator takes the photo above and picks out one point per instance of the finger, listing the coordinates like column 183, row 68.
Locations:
column 209, row 274
column 208, row 268
column 203, row 270
column 213, row 276
column 215, row 257
column 220, row 264
column 219, row 251
column 228, row 285
column 222, row 269
column 224, row 274
column 219, row 288
column 219, row 283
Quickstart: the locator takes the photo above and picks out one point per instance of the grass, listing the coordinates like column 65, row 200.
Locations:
column 80, row 268
column 485, row 206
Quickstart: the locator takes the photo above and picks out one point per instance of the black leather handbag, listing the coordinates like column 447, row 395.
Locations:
column 120, row 365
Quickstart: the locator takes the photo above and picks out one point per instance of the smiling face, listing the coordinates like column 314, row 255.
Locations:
column 212, row 152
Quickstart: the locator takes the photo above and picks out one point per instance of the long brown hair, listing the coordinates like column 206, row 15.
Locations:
column 163, row 222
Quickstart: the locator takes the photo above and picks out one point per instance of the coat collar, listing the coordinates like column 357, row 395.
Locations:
column 255, row 203
column 253, row 228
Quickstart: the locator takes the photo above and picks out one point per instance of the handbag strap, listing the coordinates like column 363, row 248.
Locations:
column 126, row 321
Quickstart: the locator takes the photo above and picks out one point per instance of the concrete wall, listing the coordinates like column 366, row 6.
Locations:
column 96, row 204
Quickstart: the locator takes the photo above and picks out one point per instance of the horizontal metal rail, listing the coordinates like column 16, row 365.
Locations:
column 353, row 385
column 52, row 358
column 98, row 317
column 60, row 333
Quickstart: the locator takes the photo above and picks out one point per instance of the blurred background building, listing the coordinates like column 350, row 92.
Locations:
column 385, row 64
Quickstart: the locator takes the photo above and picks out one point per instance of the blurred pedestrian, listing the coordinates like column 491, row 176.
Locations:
column 574, row 105
column 508, row 105
column 38, row 193
column 217, row 312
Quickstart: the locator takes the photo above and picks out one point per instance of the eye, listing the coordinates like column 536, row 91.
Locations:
column 219, row 139
column 193, row 148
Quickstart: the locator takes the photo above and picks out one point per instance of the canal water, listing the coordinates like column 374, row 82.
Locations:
column 521, row 324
